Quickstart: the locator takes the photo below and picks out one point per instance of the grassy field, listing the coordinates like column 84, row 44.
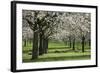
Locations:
column 57, row 51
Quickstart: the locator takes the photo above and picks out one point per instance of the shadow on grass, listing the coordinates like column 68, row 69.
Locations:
column 26, row 51
column 63, row 51
column 60, row 51
column 59, row 47
column 56, row 51
column 82, row 57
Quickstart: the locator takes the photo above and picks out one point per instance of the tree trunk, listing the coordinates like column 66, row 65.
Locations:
column 89, row 42
column 46, row 45
column 70, row 42
column 35, row 50
column 25, row 43
column 41, row 45
column 83, row 40
column 74, row 43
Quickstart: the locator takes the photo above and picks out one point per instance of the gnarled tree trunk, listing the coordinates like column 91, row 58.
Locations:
column 35, row 50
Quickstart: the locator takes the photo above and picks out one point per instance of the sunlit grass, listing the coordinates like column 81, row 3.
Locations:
column 58, row 51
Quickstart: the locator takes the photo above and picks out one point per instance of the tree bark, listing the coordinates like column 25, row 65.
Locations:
column 46, row 46
column 35, row 50
column 74, row 43
column 41, row 45
column 83, row 40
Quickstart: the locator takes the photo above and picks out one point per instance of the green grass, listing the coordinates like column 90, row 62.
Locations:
column 57, row 57
column 58, row 51
column 53, row 45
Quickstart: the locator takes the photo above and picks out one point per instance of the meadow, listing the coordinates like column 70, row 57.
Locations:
column 57, row 51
